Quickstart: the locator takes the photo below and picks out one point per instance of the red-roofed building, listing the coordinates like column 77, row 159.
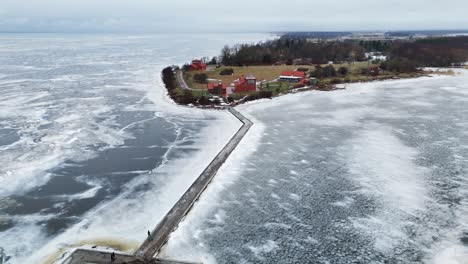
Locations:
column 298, row 77
column 246, row 84
column 374, row 70
column 198, row 65
column 218, row 88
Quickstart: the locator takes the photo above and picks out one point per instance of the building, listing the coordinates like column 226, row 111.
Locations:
column 198, row 65
column 218, row 88
column 293, row 77
column 246, row 84
column 373, row 70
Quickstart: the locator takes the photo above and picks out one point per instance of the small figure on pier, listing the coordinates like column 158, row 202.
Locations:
column 150, row 237
column 112, row 257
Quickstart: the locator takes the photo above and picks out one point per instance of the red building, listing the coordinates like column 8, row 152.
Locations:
column 293, row 76
column 246, row 84
column 198, row 65
column 374, row 70
column 217, row 88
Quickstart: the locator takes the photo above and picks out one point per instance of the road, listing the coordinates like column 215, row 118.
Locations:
column 183, row 84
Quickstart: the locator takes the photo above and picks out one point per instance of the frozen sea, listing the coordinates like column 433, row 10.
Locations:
column 92, row 151
column 376, row 173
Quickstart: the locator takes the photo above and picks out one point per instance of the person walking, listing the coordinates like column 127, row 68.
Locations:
column 150, row 237
column 112, row 257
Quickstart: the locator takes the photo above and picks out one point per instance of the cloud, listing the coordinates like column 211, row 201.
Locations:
column 221, row 16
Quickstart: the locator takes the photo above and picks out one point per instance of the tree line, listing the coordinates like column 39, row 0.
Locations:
column 402, row 55
column 433, row 52
column 285, row 50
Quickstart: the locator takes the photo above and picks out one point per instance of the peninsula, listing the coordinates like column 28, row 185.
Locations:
column 295, row 63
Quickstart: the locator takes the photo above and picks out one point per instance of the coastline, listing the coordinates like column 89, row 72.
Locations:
column 424, row 72
column 190, row 240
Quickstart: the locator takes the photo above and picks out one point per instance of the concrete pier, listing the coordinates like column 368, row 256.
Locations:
column 150, row 248
column 81, row 256
column 169, row 223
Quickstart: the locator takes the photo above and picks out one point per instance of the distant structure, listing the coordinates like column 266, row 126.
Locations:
column 198, row 65
column 246, row 84
column 373, row 56
column 298, row 77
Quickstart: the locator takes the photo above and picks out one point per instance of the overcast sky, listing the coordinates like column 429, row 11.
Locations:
column 229, row 16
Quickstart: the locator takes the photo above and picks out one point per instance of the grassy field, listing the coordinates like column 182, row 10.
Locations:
column 267, row 73
column 270, row 73
column 263, row 73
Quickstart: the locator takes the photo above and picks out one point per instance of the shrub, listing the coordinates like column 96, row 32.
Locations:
column 187, row 98
column 227, row 71
column 398, row 65
column 363, row 71
column 329, row 71
column 259, row 95
column 303, row 69
column 200, row 77
column 203, row 100
column 343, row 71
column 335, row 81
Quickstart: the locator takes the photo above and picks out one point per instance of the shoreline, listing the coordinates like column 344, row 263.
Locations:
column 426, row 72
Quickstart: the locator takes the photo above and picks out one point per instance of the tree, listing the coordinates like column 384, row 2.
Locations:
column 318, row 72
column 213, row 61
column 329, row 71
column 267, row 59
column 186, row 67
column 169, row 78
column 227, row 71
column 400, row 65
column 226, row 58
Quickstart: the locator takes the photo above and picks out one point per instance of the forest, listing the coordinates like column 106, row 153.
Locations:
column 433, row 52
column 286, row 50
column 405, row 55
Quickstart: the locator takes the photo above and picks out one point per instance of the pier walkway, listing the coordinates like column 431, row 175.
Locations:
column 150, row 248
column 161, row 233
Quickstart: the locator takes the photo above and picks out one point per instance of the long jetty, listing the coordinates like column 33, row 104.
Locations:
column 148, row 251
column 169, row 223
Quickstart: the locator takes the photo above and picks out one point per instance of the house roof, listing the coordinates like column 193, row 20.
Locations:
column 298, row 74
column 211, row 86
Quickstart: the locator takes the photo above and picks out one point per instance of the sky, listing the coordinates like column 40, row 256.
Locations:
column 186, row 16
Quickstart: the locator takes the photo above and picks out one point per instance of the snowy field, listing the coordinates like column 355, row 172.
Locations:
column 92, row 150
column 376, row 173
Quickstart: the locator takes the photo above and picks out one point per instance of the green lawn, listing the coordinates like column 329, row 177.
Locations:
column 267, row 73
